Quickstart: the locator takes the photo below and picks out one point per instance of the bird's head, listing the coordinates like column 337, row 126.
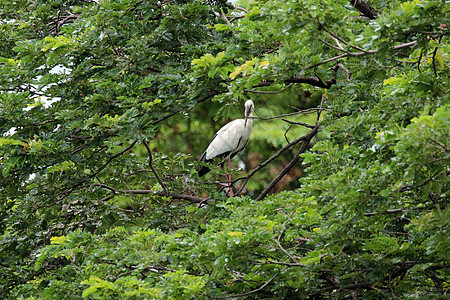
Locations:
column 249, row 109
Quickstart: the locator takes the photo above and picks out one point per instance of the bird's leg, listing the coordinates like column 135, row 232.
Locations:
column 228, row 177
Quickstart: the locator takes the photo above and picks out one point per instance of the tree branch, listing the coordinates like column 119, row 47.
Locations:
column 278, row 242
column 394, row 211
column 302, row 149
column 365, row 9
column 193, row 199
column 298, row 123
column 269, row 92
column 255, row 290
column 303, row 111
column 150, row 163
column 71, row 189
column 354, row 54
column 306, row 139
column 265, row 163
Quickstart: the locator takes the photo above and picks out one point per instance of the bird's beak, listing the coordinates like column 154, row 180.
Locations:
column 248, row 111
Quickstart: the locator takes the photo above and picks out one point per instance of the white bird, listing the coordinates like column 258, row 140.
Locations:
column 230, row 139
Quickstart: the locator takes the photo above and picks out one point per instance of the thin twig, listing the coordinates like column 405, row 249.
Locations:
column 297, row 123
column 239, row 8
column 434, row 61
column 278, row 242
column 337, row 43
column 413, row 187
column 191, row 198
column 346, row 71
column 355, row 54
column 287, row 140
column 342, row 40
column 71, row 189
column 255, row 290
column 303, row 147
column 42, row 123
column 394, row 211
column 223, row 17
column 303, row 111
column 265, row 163
column 269, row 92
column 334, row 47
column 419, row 61
column 150, row 163
column 444, row 147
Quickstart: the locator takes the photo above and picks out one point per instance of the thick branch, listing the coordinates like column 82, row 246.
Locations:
column 365, row 9
column 305, row 143
column 265, row 163
column 303, row 147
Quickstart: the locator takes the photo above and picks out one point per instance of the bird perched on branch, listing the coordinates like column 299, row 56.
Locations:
column 230, row 139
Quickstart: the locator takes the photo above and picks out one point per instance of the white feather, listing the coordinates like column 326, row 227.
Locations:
column 231, row 138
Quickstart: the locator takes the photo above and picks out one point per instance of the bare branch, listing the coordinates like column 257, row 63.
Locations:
column 302, row 149
column 269, row 92
column 365, row 9
column 273, row 262
column 239, row 8
column 303, row 111
column 265, row 163
column 333, row 35
column 255, row 290
column 434, row 61
column 42, row 123
column 278, row 242
column 191, row 198
column 306, row 139
column 354, row 54
column 413, row 187
column 298, row 123
column 339, row 47
column 150, row 163
column 71, row 189
column 223, row 17
column 337, row 43
column 444, row 147
column 314, row 81
column 346, row 71
column 285, row 133
column 394, row 211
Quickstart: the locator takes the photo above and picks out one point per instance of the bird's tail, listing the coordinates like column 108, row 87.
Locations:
column 203, row 171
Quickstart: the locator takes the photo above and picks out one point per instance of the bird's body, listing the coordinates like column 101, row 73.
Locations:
column 230, row 139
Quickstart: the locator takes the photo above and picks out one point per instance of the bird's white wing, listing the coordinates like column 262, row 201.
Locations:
column 226, row 140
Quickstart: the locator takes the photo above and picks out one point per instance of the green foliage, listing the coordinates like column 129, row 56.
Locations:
column 88, row 210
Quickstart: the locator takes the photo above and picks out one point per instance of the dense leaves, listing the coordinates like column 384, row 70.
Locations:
column 106, row 105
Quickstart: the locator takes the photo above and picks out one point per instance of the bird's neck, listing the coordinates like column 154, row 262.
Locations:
column 249, row 121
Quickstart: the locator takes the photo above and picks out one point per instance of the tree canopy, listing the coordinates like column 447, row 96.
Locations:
column 342, row 191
